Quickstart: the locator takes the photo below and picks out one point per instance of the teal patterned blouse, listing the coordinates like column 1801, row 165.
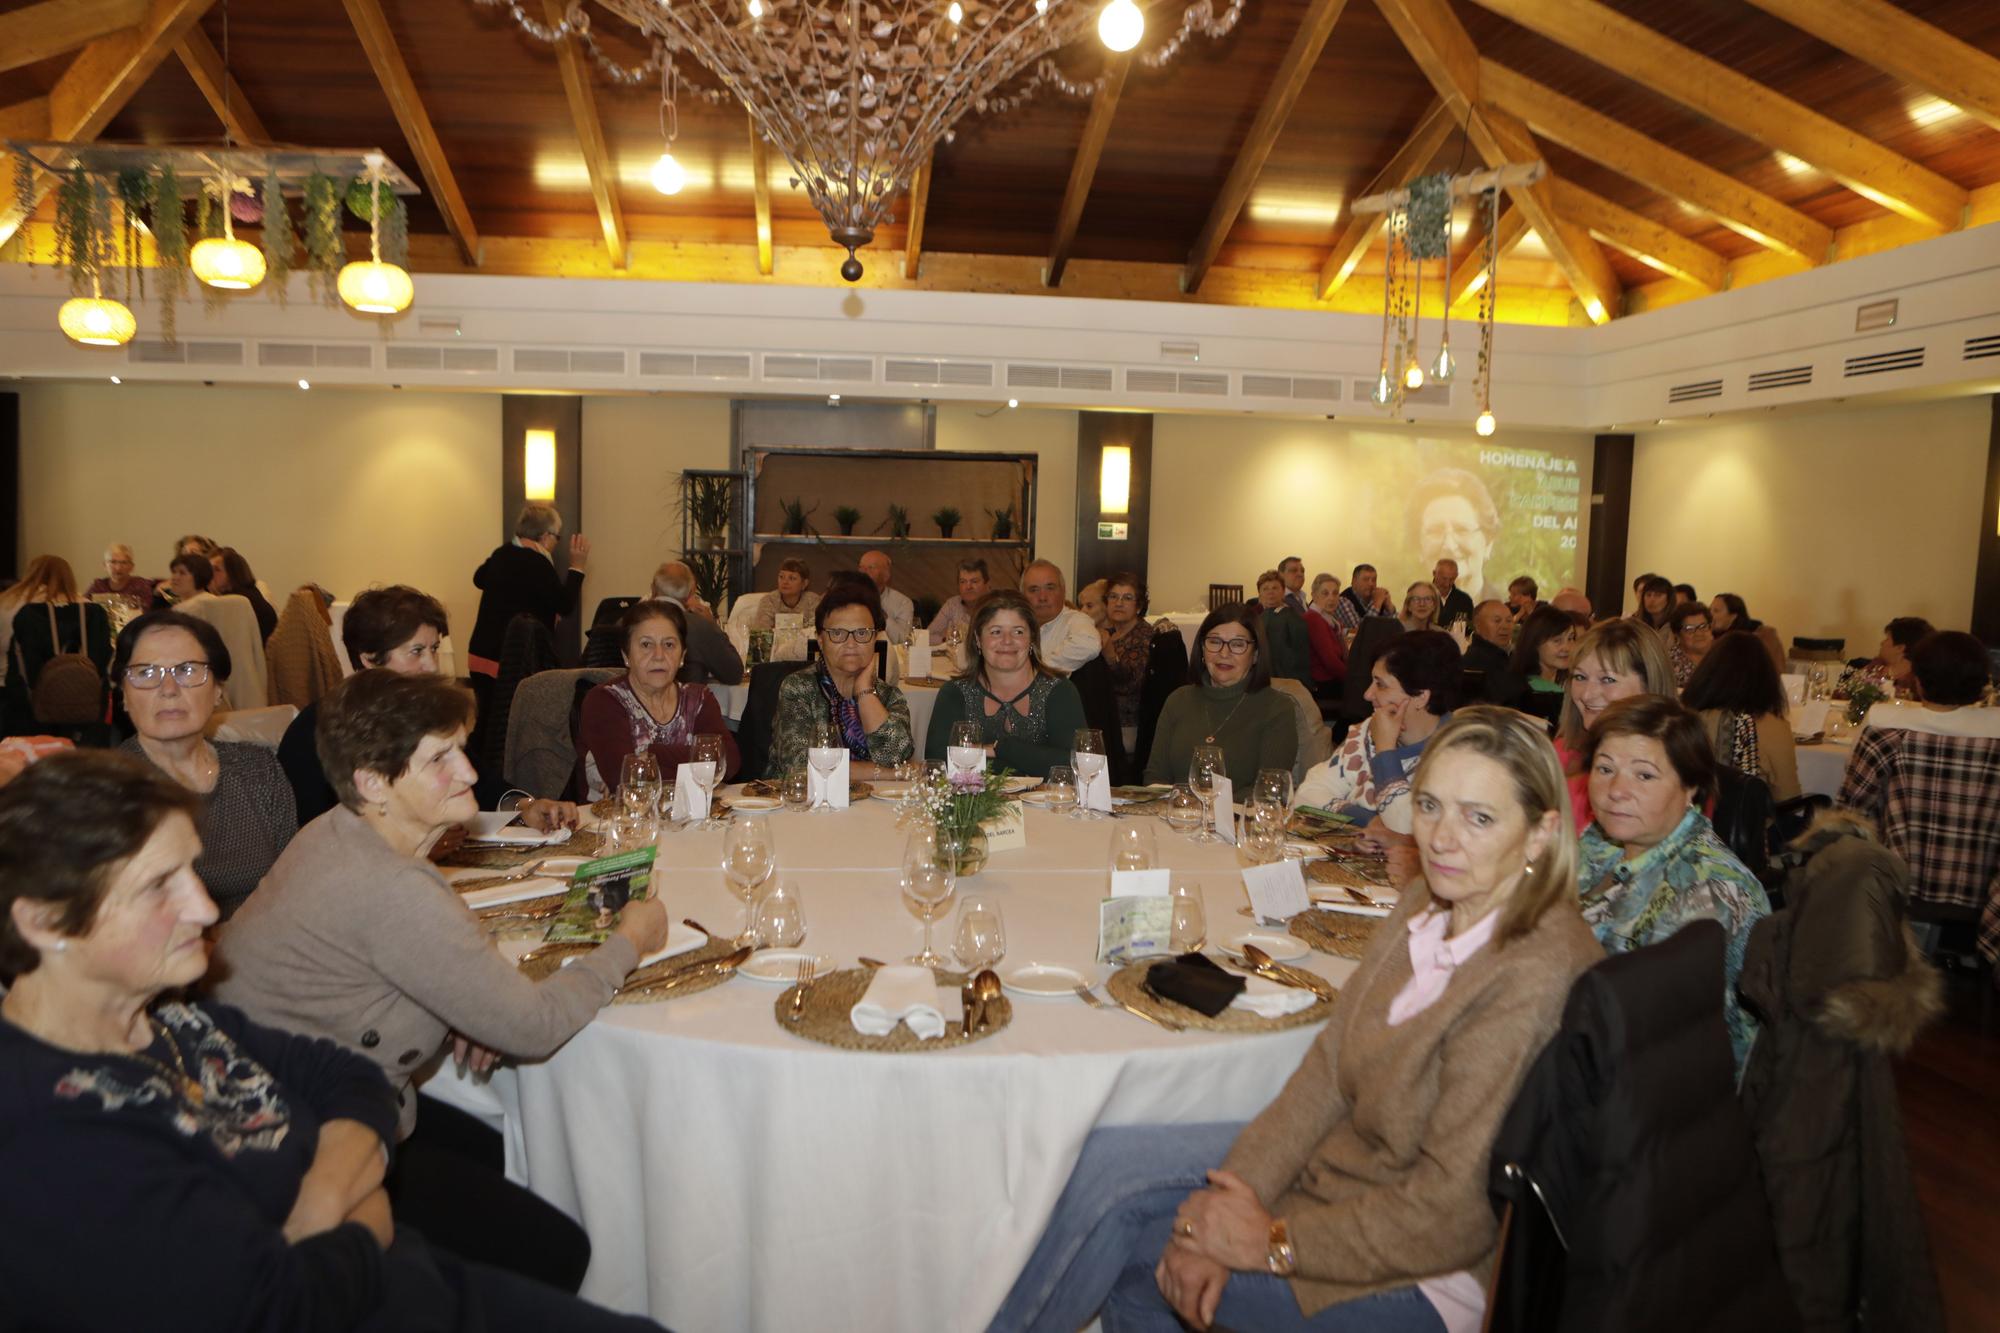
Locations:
column 1690, row 875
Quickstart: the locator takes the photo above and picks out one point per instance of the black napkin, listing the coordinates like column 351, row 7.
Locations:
column 1196, row 982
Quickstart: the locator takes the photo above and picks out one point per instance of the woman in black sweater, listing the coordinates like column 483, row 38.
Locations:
column 169, row 1164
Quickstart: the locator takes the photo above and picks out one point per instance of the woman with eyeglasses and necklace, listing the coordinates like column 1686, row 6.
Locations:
column 871, row 715
column 1228, row 702
column 1027, row 712
column 171, row 667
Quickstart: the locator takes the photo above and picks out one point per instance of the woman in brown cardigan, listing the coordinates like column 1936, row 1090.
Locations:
column 1357, row 1199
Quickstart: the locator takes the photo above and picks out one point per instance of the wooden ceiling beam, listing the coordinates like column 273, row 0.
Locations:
column 1594, row 135
column 98, row 84
column 760, row 171
column 1286, row 85
column 1083, row 167
column 386, row 58
column 33, row 33
column 1661, row 65
column 913, row 238
column 1654, row 245
column 219, row 88
column 1443, row 50
column 590, row 139
column 1468, row 271
column 25, row 120
column 1919, row 53
column 1360, row 232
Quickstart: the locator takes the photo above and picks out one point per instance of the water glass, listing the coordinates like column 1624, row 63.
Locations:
column 639, row 782
column 1133, row 846
column 1205, row 766
column 981, row 937
column 781, row 918
column 793, row 788
column 966, row 737
column 927, row 888
column 825, row 760
column 1188, row 928
column 1183, row 810
column 1060, row 787
column 708, row 749
column 1263, row 834
column 1087, row 757
column 748, row 859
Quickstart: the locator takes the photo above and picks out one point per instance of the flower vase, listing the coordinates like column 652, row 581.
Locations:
column 962, row 849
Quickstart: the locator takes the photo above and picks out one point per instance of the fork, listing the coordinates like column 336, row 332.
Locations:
column 806, row 971
column 512, row 877
column 1085, row 994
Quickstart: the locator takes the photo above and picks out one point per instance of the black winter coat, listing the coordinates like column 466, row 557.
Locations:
column 516, row 581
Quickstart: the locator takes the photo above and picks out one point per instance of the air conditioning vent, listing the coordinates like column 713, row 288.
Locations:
column 343, row 356
column 666, row 363
column 847, row 369
column 1694, row 391
column 1431, row 395
column 723, row 366
column 1285, row 386
column 290, row 356
column 1152, row 381
column 897, row 370
column 540, row 361
column 1208, row 384
column 1034, row 377
column 597, row 362
column 418, row 356
column 966, row 374
column 1791, row 377
column 1318, row 390
column 1093, row 379
column 153, row 352
column 470, row 360
column 302, row 356
column 402, row 356
column 835, row 369
column 1881, row 363
column 1976, row 348
column 214, row 353
column 791, row 367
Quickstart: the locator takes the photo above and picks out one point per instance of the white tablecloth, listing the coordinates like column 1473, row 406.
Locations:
column 1822, row 766
column 733, row 1176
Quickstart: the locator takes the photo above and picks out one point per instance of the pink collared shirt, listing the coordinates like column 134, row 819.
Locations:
column 1459, row 1300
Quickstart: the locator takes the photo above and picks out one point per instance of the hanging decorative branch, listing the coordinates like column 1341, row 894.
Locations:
column 135, row 200
column 281, row 242
column 325, row 250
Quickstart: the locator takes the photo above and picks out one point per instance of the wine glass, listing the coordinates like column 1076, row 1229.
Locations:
column 1060, row 788
column 981, row 937
column 781, row 918
column 748, row 859
column 966, row 737
column 1263, row 834
column 1088, row 759
column 825, row 760
column 1183, row 811
column 1204, row 767
column 927, row 888
column 1133, row 846
column 1188, row 924
column 792, row 789
column 1273, row 787
column 707, row 749
column 639, row 782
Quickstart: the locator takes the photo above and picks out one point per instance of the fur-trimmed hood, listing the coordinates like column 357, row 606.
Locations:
column 1829, row 826
column 1886, row 1013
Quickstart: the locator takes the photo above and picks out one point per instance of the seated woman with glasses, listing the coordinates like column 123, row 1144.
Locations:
column 1690, row 634
column 1420, row 608
column 172, row 667
column 872, row 715
column 1413, row 687
column 1228, row 701
column 649, row 707
column 1027, row 713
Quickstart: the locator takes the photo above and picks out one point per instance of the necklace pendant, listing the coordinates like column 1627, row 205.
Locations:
column 192, row 1090
column 1208, row 739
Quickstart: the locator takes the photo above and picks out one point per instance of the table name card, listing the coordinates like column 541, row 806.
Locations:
column 691, row 782
column 1008, row 830
column 1277, row 891
column 919, row 659
column 1224, row 806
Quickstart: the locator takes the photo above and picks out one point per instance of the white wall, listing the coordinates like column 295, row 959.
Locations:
column 1233, row 495
column 345, row 489
column 1828, row 524
column 633, row 453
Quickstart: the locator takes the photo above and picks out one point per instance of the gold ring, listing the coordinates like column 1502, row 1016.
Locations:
column 1185, row 1228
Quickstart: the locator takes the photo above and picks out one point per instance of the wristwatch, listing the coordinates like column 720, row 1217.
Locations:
column 1281, row 1258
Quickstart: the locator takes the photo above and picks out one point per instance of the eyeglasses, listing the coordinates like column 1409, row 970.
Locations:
column 847, row 635
column 1233, row 647
column 151, row 675
column 1696, row 627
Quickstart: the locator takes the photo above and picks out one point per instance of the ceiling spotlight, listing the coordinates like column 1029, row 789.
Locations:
column 304, row 384
column 1485, row 423
column 669, row 176
column 1121, row 25
column 1013, row 402
column 833, row 400
column 116, row 380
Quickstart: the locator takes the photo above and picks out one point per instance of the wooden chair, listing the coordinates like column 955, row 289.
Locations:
column 1221, row 595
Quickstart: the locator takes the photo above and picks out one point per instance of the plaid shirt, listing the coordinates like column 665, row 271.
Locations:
column 1348, row 611
column 1935, row 799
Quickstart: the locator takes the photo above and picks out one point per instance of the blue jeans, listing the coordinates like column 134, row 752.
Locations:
column 1112, row 1223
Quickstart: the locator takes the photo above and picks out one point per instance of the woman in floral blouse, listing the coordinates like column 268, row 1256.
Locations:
column 1128, row 647
column 1651, row 862
column 649, row 707
column 872, row 716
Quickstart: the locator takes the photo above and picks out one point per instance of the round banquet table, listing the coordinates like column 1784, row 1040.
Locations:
column 734, row 1176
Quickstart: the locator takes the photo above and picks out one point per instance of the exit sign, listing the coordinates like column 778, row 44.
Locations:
column 1111, row 532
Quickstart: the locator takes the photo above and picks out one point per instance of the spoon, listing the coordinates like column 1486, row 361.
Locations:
column 1268, row 966
column 986, row 987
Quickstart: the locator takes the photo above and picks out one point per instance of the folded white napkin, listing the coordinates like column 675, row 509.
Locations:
column 680, row 939
column 905, row 993
column 1268, row 999
column 520, row 835
column 535, row 886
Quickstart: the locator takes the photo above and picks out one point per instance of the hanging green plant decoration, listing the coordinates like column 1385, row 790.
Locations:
column 281, row 242
column 135, row 200
column 395, row 218
column 170, row 243
column 1430, row 216
column 24, row 207
column 76, row 245
column 326, row 251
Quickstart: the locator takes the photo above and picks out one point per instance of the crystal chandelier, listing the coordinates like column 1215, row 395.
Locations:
column 857, row 93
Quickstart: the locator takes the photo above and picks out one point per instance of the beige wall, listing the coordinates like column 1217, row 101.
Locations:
column 338, row 488
column 1051, row 436
column 633, row 453
column 1828, row 524
column 1233, row 495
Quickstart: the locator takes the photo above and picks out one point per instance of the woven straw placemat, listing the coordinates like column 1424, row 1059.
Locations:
column 831, row 998
column 508, row 922
column 1128, row 984
column 545, row 960
column 582, row 842
column 1342, row 934
column 1349, row 872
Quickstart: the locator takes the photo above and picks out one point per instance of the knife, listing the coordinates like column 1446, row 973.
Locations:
column 725, row 965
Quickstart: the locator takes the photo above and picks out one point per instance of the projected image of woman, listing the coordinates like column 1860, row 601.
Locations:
column 1453, row 517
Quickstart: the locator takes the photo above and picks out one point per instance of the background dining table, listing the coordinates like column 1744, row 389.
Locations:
column 733, row 1175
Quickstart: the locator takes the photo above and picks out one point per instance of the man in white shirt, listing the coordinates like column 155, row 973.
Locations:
column 1069, row 637
column 898, row 612
column 973, row 584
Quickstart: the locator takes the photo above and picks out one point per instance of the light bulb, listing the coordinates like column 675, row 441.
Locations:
column 1485, row 424
column 96, row 321
column 1445, row 366
column 1041, row 6
column 227, row 263
column 1413, row 375
column 668, row 175
column 956, row 13
column 756, row 8
column 1121, row 25
column 1383, row 391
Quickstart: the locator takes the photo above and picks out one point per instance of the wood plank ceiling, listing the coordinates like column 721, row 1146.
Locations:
column 1694, row 144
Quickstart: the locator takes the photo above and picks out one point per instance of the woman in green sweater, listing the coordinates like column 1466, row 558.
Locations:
column 1029, row 713
column 1229, row 703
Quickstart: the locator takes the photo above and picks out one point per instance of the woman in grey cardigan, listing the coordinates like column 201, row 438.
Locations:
column 355, row 936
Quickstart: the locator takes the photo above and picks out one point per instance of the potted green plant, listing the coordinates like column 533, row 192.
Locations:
column 899, row 522
column 1003, row 523
column 946, row 518
column 711, row 576
column 707, row 501
column 796, row 514
column 847, row 516
column 959, row 805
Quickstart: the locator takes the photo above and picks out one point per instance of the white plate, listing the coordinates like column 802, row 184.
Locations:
column 1049, row 980
column 1020, row 782
column 781, row 966
column 1282, row 948
column 754, row 805
column 1040, row 796
column 489, row 822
